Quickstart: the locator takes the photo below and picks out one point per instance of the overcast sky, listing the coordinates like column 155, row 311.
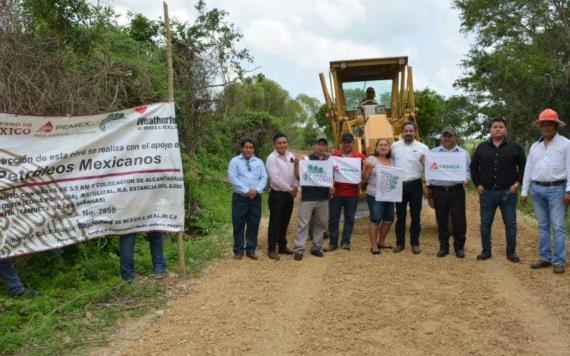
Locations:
column 292, row 41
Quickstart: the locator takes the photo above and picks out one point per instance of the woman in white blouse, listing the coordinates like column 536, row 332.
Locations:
column 381, row 213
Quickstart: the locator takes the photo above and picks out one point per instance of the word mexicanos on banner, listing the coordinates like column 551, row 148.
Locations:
column 389, row 184
column 69, row 179
column 446, row 166
column 316, row 173
column 347, row 169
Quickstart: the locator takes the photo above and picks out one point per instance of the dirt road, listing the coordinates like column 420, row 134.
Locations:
column 351, row 302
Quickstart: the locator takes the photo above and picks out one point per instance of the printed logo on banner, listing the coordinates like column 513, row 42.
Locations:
column 434, row 166
column 316, row 173
column 15, row 129
column 446, row 166
column 140, row 109
column 347, row 170
column 112, row 121
column 156, row 123
column 46, row 128
column 389, row 184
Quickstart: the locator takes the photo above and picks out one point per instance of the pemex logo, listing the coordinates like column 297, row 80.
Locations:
column 434, row 166
column 46, row 128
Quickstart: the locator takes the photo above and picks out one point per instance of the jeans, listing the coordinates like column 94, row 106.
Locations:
column 450, row 201
column 10, row 277
column 489, row 200
column 127, row 254
column 412, row 194
column 336, row 204
column 380, row 211
column 280, row 209
column 551, row 213
column 245, row 212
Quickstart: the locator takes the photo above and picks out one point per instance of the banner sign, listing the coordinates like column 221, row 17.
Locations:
column 389, row 184
column 347, row 170
column 64, row 180
column 446, row 166
column 316, row 173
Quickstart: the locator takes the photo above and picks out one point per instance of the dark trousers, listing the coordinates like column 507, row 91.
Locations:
column 450, row 201
column 246, row 214
column 489, row 200
column 413, row 195
column 280, row 209
column 336, row 205
column 127, row 254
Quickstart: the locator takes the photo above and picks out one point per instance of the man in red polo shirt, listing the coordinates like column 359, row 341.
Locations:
column 345, row 196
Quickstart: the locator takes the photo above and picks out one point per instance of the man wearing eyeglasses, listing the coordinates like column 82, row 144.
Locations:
column 248, row 178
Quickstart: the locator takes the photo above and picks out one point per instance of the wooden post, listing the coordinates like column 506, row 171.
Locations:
column 180, row 235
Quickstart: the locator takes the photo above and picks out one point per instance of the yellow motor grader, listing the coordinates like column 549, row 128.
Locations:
column 369, row 120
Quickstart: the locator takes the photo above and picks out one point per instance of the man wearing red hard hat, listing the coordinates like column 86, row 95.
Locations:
column 547, row 179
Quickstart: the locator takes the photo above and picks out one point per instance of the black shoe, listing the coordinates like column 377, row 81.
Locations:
column 484, row 255
column 286, row 251
column 442, row 253
column 345, row 247
column 298, row 256
column 317, row 253
column 540, row 264
column 460, row 253
column 513, row 258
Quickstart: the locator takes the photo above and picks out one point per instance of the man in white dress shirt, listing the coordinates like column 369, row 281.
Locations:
column 284, row 185
column 547, row 179
column 407, row 154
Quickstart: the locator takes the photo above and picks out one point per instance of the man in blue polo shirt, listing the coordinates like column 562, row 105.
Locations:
column 248, row 178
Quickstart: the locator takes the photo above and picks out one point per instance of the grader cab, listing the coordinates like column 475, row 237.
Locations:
column 369, row 119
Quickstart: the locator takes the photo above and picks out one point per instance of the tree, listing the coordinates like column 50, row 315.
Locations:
column 520, row 62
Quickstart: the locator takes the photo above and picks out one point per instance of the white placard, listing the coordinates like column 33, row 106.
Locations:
column 64, row 180
column 316, row 173
column 347, row 170
column 389, row 184
column 446, row 166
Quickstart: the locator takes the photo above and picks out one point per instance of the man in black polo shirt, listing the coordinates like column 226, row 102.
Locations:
column 497, row 170
column 314, row 205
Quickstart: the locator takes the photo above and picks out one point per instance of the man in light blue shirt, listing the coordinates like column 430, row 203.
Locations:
column 449, row 199
column 248, row 178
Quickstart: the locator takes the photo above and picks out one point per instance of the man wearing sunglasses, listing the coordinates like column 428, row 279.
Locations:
column 248, row 178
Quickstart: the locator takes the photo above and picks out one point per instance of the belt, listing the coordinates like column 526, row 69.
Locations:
column 447, row 188
column 550, row 184
column 412, row 181
column 495, row 187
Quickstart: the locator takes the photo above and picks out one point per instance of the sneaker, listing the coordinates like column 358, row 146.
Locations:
column 416, row 249
column 317, row 253
column 298, row 256
column 331, row 248
column 345, row 247
column 27, row 292
column 398, row 249
column 161, row 275
column 558, row 268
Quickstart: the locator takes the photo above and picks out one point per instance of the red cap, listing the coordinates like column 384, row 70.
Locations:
column 549, row 115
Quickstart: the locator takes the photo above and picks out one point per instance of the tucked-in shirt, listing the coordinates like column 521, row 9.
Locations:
column 371, row 183
column 347, row 189
column 442, row 183
column 315, row 193
column 408, row 157
column 549, row 163
column 498, row 167
column 245, row 175
column 281, row 171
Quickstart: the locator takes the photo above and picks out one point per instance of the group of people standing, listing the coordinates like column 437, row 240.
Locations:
column 498, row 168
